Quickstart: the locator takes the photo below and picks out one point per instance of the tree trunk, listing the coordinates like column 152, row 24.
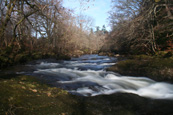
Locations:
column 10, row 7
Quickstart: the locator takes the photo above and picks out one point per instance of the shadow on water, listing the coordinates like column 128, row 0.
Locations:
column 11, row 72
column 8, row 76
column 127, row 104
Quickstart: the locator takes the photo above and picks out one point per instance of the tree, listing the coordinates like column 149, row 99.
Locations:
column 135, row 23
column 16, row 12
column 104, row 31
column 45, row 26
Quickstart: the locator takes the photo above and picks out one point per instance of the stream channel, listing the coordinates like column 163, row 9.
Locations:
column 87, row 76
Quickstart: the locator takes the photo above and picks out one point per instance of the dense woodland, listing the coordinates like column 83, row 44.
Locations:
column 44, row 28
column 38, row 29
column 44, row 24
column 141, row 26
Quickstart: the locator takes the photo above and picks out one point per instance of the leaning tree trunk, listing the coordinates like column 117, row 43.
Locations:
column 10, row 8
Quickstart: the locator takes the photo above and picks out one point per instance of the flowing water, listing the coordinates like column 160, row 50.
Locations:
column 87, row 76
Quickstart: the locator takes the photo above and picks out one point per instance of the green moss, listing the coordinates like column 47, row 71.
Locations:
column 37, row 55
column 63, row 57
column 3, row 59
column 155, row 67
column 22, row 58
column 9, row 58
column 25, row 95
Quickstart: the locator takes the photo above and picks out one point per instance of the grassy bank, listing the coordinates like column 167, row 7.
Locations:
column 24, row 95
column 158, row 67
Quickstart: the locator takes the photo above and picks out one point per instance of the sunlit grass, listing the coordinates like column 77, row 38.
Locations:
column 156, row 67
column 26, row 96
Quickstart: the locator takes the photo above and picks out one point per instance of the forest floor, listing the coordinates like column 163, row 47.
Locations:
column 158, row 67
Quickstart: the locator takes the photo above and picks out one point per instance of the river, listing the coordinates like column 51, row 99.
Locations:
column 87, row 76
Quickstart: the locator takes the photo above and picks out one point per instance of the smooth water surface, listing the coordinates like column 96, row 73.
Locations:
column 87, row 76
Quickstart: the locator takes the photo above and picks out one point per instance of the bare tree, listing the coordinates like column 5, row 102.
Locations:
column 142, row 18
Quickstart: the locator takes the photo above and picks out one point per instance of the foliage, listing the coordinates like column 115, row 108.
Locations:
column 141, row 26
column 45, row 26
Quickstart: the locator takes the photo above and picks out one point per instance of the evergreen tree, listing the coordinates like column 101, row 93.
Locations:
column 104, row 31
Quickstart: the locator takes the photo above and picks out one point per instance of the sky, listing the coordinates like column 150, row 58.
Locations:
column 96, row 9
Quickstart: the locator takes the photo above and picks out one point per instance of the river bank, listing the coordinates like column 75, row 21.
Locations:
column 25, row 95
column 158, row 67
column 8, row 59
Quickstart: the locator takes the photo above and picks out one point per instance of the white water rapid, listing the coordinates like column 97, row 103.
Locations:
column 87, row 76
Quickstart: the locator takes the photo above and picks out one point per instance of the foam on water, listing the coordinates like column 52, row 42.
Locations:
column 87, row 76
column 92, row 83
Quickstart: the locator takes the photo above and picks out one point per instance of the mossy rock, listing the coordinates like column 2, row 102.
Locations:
column 5, row 61
column 63, row 57
column 48, row 55
column 22, row 58
column 37, row 55
column 154, row 67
